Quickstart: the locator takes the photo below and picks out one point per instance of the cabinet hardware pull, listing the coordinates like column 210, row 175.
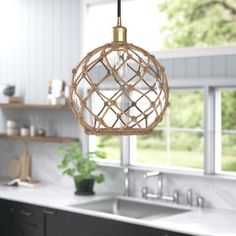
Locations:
column 48, row 212
column 26, row 213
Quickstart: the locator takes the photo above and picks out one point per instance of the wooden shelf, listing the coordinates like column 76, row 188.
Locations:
column 53, row 139
column 31, row 106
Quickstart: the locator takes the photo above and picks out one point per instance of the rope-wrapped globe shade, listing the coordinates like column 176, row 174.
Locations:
column 119, row 89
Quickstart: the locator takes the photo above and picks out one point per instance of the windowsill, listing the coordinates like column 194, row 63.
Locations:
column 112, row 164
column 218, row 50
column 173, row 171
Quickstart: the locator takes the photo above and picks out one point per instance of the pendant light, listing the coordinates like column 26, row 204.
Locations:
column 119, row 88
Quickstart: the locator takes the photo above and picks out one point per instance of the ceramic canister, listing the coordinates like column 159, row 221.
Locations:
column 12, row 131
column 12, row 124
column 24, row 131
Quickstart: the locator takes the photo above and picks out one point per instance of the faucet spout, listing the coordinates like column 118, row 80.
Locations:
column 126, row 181
column 159, row 194
column 152, row 174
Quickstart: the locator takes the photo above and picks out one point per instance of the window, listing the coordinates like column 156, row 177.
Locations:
column 178, row 140
column 162, row 24
column 228, row 130
column 142, row 31
column 110, row 145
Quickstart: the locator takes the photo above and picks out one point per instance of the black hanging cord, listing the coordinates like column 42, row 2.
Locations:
column 118, row 8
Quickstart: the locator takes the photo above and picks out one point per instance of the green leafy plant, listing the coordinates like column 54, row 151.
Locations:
column 80, row 165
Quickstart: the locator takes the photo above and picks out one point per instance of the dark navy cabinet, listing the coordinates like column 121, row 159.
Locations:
column 61, row 223
column 6, row 213
column 18, row 219
column 27, row 220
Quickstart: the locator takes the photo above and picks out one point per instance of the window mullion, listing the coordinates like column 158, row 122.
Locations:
column 209, row 134
column 218, row 148
column 168, row 136
column 125, row 150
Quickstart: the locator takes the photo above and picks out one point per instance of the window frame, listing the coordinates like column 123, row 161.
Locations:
column 209, row 85
column 169, row 130
column 212, row 113
column 216, row 50
column 219, row 132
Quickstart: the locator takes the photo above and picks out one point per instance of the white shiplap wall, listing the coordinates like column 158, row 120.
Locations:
column 39, row 41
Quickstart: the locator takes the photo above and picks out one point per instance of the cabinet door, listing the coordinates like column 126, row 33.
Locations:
column 25, row 229
column 6, row 211
column 60, row 223
column 27, row 220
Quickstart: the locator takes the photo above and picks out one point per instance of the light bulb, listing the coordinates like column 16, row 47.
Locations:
column 121, row 66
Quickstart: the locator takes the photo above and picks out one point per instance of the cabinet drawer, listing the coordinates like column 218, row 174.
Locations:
column 26, row 229
column 28, row 213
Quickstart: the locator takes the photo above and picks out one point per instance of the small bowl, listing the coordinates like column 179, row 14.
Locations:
column 24, row 131
column 41, row 132
column 9, row 90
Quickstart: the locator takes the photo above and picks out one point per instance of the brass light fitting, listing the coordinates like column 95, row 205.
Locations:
column 119, row 32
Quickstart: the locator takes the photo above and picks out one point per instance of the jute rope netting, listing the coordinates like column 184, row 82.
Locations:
column 126, row 98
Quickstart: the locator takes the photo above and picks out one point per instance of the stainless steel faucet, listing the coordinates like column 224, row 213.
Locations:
column 152, row 174
column 189, row 197
column 126, row 181
column 200, row 202
column 159, row 194
column 159, row 183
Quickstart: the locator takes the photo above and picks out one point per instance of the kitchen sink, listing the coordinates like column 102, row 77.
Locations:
column 129, row 207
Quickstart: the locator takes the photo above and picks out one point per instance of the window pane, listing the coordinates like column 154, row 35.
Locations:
column 228, row 109
column 151, row 149
column 163, row 123
column 102, row 17
column 110, row 145
column 186, row 149
column 178, row 140
column 164, row 23
column 228, row 123
column 229, row 152
column 186, row 109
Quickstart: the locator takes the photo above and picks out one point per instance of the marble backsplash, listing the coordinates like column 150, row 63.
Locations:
column 217, row 192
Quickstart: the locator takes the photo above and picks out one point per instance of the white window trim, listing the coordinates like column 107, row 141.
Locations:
column 217, row 137
column 210, row 86
column 175, row 169
column 209, row 133
column 219, row 50
column 219, row 132
column 196, row 52
column 212, row 160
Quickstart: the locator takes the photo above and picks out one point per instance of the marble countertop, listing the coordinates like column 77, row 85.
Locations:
column 206, row 222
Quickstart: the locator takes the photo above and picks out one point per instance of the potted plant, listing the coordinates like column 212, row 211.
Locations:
column 81, row 166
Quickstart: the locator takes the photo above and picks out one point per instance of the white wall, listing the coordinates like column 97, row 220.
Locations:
column 39, row 41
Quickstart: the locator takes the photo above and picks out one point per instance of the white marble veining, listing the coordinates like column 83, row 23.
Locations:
column 218, row 193
column 207, row 222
